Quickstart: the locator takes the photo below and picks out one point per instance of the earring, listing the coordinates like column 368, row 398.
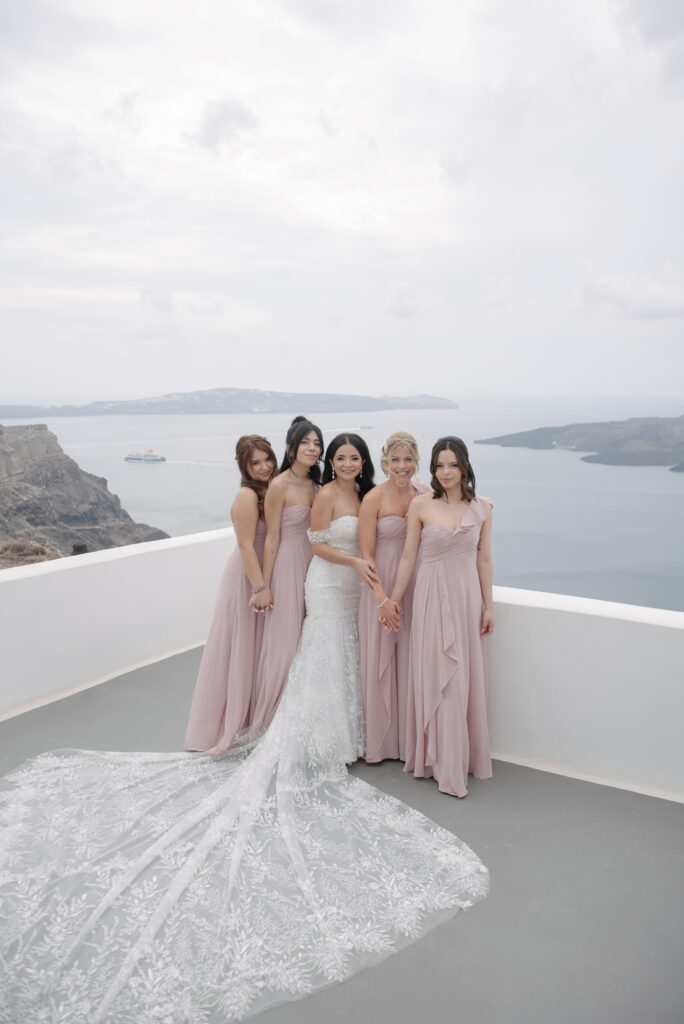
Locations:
column 333, row 472
column 360, row 477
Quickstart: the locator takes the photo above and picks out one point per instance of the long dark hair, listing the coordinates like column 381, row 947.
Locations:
column 296, row 433
column 455, row 445
column 243, row 452
column 365, row 481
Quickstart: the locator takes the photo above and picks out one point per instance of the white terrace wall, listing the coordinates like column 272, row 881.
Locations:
column 585, row 688
column 74, row 622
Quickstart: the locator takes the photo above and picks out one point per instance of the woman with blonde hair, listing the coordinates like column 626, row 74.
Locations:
column 221, row 706
column 385, row 654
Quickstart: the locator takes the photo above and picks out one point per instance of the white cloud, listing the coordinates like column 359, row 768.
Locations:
column 646, row 298
column 222, row 124
column 301, row 178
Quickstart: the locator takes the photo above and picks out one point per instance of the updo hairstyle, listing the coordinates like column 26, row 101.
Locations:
column 398, row 439
column 296, row 433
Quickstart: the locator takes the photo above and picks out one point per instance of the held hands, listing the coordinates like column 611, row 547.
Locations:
column 487, row 627
column 367, row 571
column 389, row 614
column 262, row 601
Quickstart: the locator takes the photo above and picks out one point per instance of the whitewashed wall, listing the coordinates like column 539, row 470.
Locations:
column 74, row 622
column 585, row 688
column 590, row 689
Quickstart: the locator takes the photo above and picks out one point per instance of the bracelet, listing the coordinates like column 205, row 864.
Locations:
column 258, row 590
column 382, row 602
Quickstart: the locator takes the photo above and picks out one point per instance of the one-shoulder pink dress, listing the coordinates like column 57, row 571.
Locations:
column 385, row 656
column 283, row 623
column 447, row 735
column 225, row 684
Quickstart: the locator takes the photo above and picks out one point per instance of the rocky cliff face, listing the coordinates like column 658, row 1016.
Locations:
column 47, row 502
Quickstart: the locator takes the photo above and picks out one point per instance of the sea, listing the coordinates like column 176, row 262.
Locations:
column 559, row 524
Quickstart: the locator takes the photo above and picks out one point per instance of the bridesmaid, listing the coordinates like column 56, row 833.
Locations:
column 385, row 654
column 287, row 553
column 447, row 735
column 223, row 692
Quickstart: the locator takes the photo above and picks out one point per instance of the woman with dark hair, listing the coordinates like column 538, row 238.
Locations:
column 449, row 532
column 364, row 481
column 224, row 689
column 287, row 553
column 385, row 653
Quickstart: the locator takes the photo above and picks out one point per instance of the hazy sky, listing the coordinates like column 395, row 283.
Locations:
column 459, row 197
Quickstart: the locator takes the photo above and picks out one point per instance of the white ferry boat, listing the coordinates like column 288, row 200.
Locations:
column 148, row 456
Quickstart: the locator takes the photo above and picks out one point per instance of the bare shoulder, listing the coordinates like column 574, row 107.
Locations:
column 325, row 498
column 373, row 498
column 278, row 484
column 245, row 499
column 419, row 506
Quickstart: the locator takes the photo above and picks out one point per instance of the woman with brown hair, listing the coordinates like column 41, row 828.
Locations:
column 449, row 534
column 222, row 703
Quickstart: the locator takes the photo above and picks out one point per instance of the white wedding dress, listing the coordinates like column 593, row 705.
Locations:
column 185, row 889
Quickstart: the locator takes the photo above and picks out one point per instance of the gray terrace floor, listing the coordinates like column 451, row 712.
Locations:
column 585, row 919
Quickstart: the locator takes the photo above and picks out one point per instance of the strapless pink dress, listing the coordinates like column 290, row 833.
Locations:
column 225, row 684
column 385, row 656
column 447, row 735
column 283, row 623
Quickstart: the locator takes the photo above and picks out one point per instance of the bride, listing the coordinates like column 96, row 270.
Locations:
column 187, row 889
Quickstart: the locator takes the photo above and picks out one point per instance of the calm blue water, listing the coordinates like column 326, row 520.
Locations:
column 560, row 525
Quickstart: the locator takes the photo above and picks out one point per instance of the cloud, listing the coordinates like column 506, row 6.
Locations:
column 660, row 21
column 642, row 298
column 157, row 299
column 125, row 113
column 404, row 304
column 222, row 124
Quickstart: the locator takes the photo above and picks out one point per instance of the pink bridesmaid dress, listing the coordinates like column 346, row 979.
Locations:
column 225, row 684
column 447, row 735
column 385, row 656
column 283, row 623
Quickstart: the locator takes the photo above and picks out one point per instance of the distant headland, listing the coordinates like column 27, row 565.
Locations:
column 651, row 441
column 230, row 400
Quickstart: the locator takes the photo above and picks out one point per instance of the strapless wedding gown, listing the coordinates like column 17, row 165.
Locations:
column 186, row 889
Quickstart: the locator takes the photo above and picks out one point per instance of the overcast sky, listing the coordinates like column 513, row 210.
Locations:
column 461, row 197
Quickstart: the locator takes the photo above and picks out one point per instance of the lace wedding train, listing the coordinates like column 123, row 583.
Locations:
column 185, row 889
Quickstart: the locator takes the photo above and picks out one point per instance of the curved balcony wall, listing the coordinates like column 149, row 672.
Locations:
column 584, row 688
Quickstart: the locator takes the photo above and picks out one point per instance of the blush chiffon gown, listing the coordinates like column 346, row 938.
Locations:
column 447, row 733
column 283, row 623
column 221, row 706
column 184, row 888
column 385, row 656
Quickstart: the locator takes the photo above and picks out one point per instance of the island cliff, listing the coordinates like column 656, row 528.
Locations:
column 231, row 400
column 49, row 507
column 652, row 441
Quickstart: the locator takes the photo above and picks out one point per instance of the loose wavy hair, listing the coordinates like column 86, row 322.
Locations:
column 243, row 452
column 365, row 481
column 455, row 445
column 296, row 433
